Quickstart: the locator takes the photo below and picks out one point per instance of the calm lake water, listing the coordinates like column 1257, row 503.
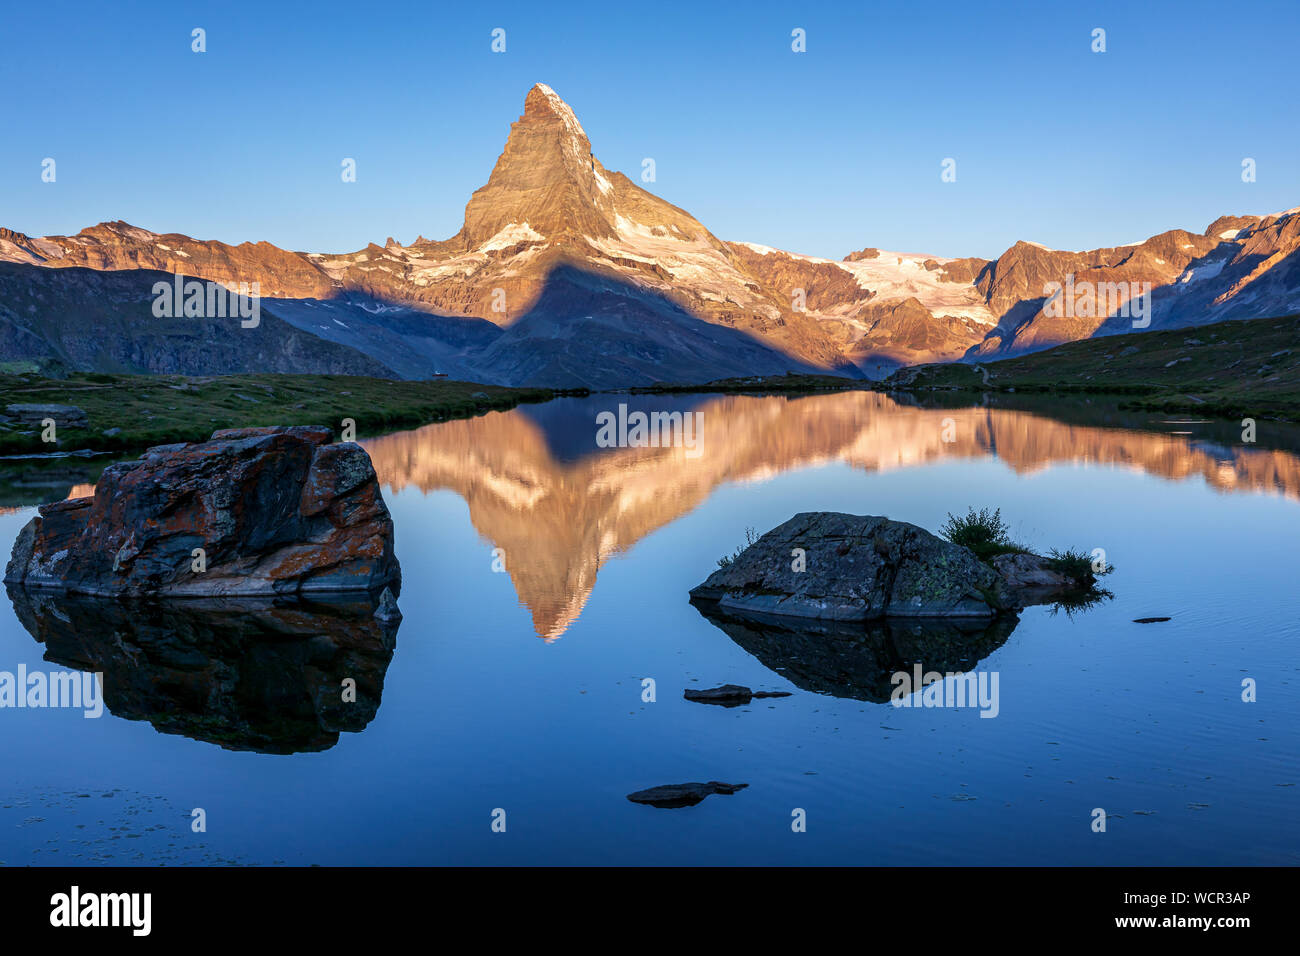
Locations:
column 522, row 689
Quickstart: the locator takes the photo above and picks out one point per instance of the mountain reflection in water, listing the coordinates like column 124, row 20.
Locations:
column 538, row 487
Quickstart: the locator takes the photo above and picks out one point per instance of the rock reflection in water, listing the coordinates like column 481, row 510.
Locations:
column 857, row 660
column 260, row 675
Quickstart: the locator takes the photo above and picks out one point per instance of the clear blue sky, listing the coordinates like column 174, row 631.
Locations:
column 821, row 152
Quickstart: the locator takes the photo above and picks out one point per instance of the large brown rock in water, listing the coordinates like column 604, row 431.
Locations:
column 275, row 510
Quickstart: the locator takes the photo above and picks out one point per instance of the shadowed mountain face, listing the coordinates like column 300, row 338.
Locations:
column 857, row 661
column 596, row 281
column 537, row 485
column 104, row 321
column 638, row 336
column 245, row 675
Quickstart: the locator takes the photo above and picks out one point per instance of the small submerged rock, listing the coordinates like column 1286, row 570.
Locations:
column 1032, row 575
column 675, row 795
column 730, row 695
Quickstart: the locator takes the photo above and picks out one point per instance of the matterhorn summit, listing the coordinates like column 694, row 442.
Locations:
column 547, row 183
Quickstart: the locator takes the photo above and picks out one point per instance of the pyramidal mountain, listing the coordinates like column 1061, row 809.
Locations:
column 568, row 274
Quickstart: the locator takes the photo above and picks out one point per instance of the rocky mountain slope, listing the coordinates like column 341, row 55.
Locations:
column 1240, row 267
column 566, row 273
column 89, row 320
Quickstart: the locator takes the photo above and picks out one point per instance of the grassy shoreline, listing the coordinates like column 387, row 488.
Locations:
column 756, row 384
column 127, row 413
column 1233, row 369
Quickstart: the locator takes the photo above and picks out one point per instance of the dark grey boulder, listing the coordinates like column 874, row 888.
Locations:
column 674, row 795
column 829, row 566
column 730, row 695
column 855, row 568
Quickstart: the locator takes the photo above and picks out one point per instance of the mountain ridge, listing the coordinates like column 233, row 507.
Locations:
column 566, row 273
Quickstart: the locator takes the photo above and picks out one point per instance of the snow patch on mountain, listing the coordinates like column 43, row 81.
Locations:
column 895, row 276
column 766, row 250
column 1201, row 271
column 511, row 234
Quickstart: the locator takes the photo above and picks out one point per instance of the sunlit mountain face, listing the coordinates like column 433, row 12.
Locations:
column 567, row 273
column 539, row 486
